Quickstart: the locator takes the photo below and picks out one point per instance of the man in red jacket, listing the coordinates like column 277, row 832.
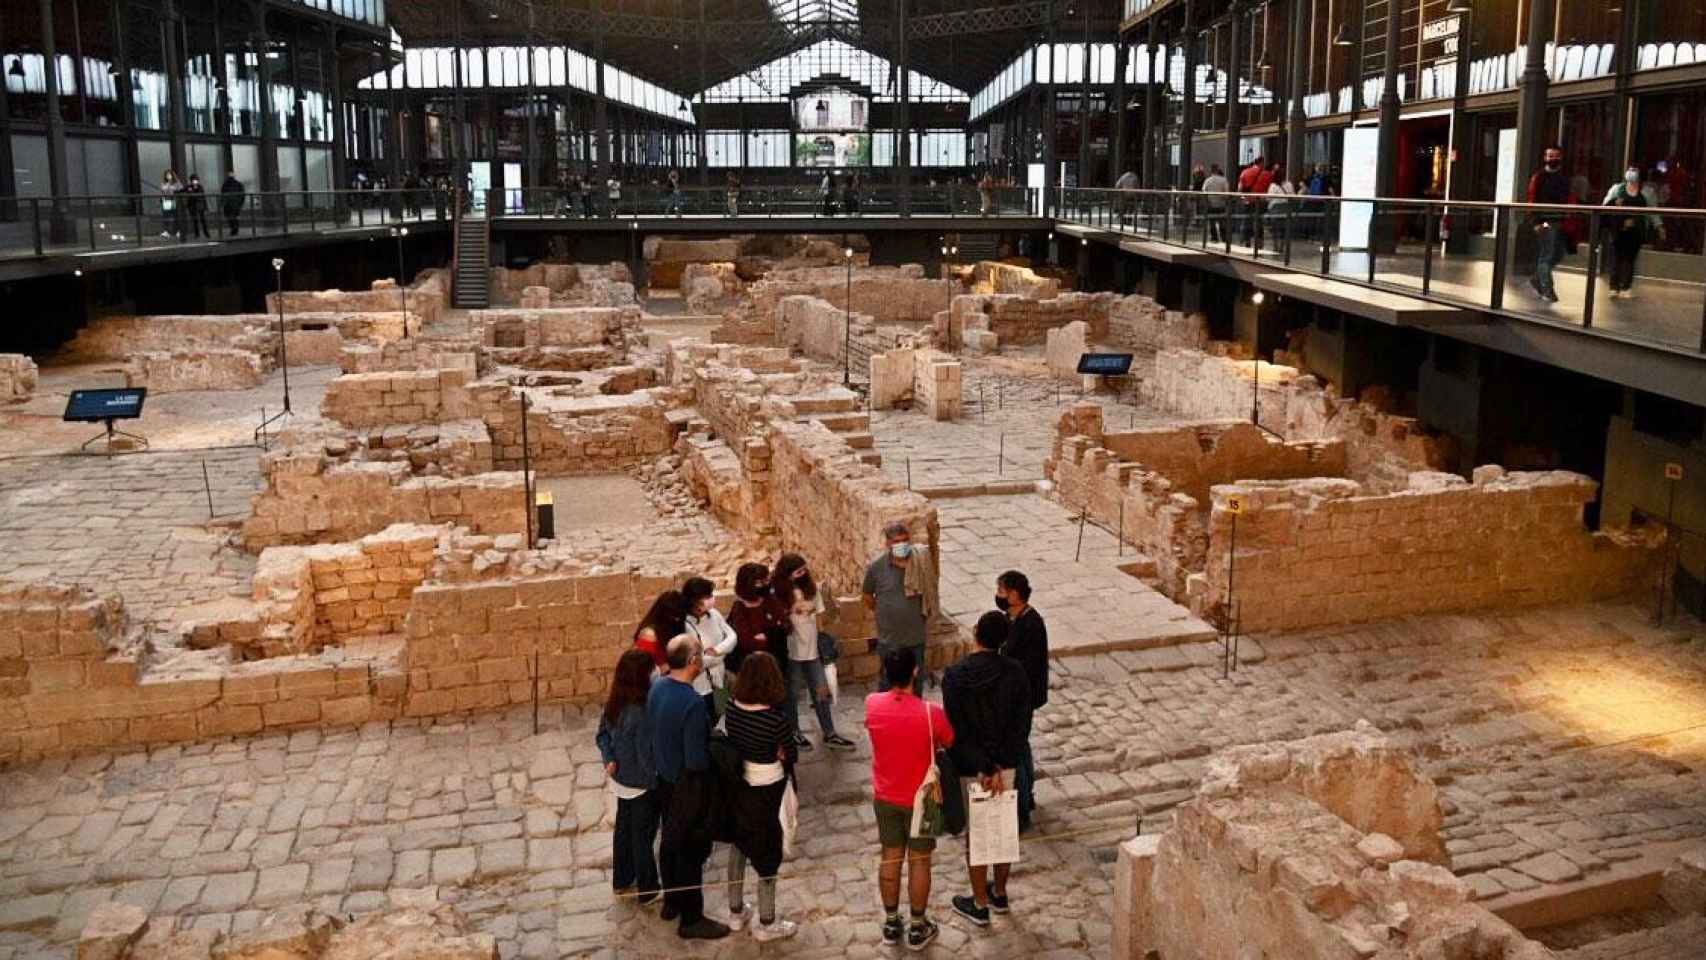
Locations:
column 1250, row 181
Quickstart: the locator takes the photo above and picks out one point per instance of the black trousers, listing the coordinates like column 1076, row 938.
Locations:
column 679, row 866
column 1625, row 247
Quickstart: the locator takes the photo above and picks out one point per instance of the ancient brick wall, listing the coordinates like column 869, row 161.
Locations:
column 309, row 498
column 608, row 284
column 454, row 448
column 415, row 353
column 558, row 338
column 425, row 300
column 396, row 397
column 938, row 388
column 573, row 434
column 818, row 328
column 1198, row 456
column 1315, row 552
column 1153, row 516
column 1381, row 448
column 116, row 338
column 92, row 690
column 1141, row 325
column 1016, row 320
column 18, row 377
column 990, row 276
column 1063, row 347
column 1345, row 835
column 182, row 371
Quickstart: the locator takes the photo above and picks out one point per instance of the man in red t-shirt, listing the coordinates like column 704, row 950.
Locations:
column 905, row 734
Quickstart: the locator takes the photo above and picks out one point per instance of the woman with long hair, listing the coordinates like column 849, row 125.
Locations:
column 716, row 638
column 625, row 744
column 666, row 619
column 759, row 732
column 797, row 595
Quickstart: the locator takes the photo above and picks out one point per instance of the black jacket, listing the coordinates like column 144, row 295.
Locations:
column 1027, row 642
column 988, row 700
column 196, row 196
column 232, row 196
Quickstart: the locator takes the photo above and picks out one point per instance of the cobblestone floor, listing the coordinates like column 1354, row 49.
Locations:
column 137, row 522
column 1525, row 720
column 1092, row 603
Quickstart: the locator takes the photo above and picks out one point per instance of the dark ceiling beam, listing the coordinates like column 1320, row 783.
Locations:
column 552, row 17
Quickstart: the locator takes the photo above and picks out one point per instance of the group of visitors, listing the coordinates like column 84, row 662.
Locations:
column 1558, row 233
column 701, row 734
column 183, row 207
column 840, row 195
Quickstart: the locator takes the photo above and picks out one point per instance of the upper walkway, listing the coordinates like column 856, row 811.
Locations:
column 1465, row 269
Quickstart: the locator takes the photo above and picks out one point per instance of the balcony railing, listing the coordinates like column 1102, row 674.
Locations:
column 1492, row 257
column 109, row 223
column 762, row 202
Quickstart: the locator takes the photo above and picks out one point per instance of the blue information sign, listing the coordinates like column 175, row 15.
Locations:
column 93, row 406
column 1105, row 364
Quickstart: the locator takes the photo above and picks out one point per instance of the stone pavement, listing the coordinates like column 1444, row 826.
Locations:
column 137, row 523
column 513, row 828
column 1090, row 603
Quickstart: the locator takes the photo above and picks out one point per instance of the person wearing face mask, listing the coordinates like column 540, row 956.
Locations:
column 900, row 586
column 1630, row 232
column 758, row 623
column 1548, row 185
column 1027, row 643
column 798, row 594
column 715, row 636
column 681, row 757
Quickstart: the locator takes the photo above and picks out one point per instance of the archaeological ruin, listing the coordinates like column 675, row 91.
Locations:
column 323, row 683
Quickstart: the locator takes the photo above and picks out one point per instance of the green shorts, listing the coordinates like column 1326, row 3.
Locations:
column 893, row 826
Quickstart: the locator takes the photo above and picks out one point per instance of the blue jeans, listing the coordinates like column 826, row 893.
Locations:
column 1025, row 781
column 675, row 203
column 1548, row 250
column 809, row 674
column 632, row 861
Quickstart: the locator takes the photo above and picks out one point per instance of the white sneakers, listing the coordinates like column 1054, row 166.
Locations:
column 777, row 929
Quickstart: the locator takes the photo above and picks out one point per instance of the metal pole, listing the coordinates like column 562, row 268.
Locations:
column 207, row 485
column 536, row 692
column 1256, row 374
column 1121, row 530
column 1083, row 515
column 526, row 472
column 283, row 348
column 909, row 473
column 1231, row 627
column 1001, row 457
column 847, row 332
column 402, row 281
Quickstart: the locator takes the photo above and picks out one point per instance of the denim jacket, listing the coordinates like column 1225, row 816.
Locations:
column 629, row 745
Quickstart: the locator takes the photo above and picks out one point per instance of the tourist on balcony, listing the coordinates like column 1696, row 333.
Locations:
column 1216, row 205
column 827, row 190
column 900, row 586
column 666, row 618
column 1128, row 203
column 731, row 193
column 231, row 202
column 589, row 197
column 716, row 638
column 686, row 789
column 905, row 732
column 613, row 192
column 762, row 734
column 1027, row 643
column 797, row 593
column 986, row 194
column 1548, row 185
column 625, row 745
column 988, row 700
column 850, row 188
column 171, row 211
column 195, row 202
column 1630, row 232
column 672, row 190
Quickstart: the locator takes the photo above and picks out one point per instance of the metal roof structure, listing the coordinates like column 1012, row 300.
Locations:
column 959, row 42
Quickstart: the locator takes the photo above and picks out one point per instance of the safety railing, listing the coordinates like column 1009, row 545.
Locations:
column 99, row 223
column 759, row 202
column 1626, row 271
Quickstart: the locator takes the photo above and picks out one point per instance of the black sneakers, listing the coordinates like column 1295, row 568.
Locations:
column 998, row 902
column 921, row 934
column 893, row 929
column 803, row 743
column 966, row 906
column 703, row 929
column 836, row 741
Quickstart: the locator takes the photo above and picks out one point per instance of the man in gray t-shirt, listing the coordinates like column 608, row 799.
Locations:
column 900, row 618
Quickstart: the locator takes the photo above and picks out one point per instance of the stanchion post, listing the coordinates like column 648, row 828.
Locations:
column 1083, row 515
column 909, row 473
column 207, row 485
column 1235, row 505
column 980, row 401
column 1001, row 457
column 526, row 473
column 536, row 692
column 1121, row 531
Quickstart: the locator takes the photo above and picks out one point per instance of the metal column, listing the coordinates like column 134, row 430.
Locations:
column 1188, row 107
column 1387, row 164
column 1116, row 156
column 1234, row 91
column 1046, row 121
column 903, row 112
column 60, row 224
column 171, row 28
column 600, row 120
column 530, row 153
column 699, row 121
column 1151, row 112
column 1531, row 103
column 1084, row 108
column 1296, row 123
column 269, row 119
column 458, row 147
column 340, row 133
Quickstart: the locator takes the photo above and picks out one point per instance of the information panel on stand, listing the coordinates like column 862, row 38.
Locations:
column 94, row 406
column 1105, row 364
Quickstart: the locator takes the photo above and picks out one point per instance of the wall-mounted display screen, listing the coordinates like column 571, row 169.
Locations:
column 832, row 150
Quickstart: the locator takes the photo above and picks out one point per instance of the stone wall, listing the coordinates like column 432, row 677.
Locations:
column 1141, row 325
column 1063, row 346
column 182, row 371
column 117, row 337
column 425, row 299
column 990, row 276
column 1315, row 552
column 572, row 434
column 1016, row 321
column 558, row 338
column 818, row 328
column 309, row 498
column 358, row 588
column 1326, row 848
column 1381, row 449
column 599, row 285
column 938, row 388
column 397, row 397
column 78, row 678
column 415, row 353
column 18, row 377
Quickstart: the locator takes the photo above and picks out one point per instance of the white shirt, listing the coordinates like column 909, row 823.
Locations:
column 717, row 639
column 802, row 634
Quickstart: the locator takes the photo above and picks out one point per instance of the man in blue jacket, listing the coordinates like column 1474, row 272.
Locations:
column 681, row 737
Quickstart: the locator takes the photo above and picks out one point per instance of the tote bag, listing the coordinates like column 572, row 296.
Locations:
column 789, row 814
column 927, row 815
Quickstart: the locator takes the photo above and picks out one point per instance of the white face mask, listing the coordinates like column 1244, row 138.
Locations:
column 1633, row 176
column 901, row 550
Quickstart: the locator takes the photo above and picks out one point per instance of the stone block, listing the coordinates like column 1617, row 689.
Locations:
column 110, row 931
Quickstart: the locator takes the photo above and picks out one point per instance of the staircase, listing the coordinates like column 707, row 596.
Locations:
column 842, row 411
column 978, row 246
column 472, row 287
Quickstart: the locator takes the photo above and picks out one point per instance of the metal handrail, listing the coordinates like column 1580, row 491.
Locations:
column 1491, row 205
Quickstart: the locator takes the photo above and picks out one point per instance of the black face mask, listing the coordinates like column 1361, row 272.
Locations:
column 1001, row 603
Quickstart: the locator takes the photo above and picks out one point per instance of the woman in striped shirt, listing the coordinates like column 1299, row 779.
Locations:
column 763, row 736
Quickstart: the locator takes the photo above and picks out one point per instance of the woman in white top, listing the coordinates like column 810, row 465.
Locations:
column 792, row 586
column 171, row 216
column 716, row 638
